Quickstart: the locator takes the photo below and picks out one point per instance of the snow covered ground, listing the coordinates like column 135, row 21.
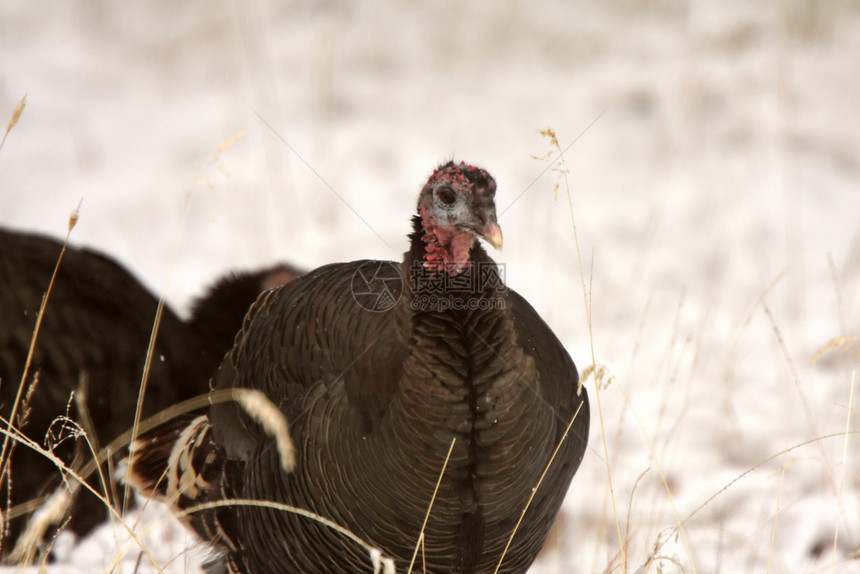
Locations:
column 713, row 151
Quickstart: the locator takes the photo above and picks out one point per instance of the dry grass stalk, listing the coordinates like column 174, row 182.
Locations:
column 52, row 512
column 536, row 487
column 371, row 550
column 16, row 115
column 602, row 377
column 7, row 514
column 842, row 473
column 420, row 542
column 212, row 160
column 223, row 146
column 841, row 343
column 147, row 365
column 381, row 564
column 5, row 452
column 57, row 504
column 586, row 295
column 630, row 509
column 24, row 415
column 270, row 417
column 95, row 453
column 13, row 434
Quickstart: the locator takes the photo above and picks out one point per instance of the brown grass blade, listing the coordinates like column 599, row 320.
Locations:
column 420, row 542
column 16, row 115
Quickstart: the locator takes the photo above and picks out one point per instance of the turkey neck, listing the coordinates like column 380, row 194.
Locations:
column 460, row 335
column 464, row 379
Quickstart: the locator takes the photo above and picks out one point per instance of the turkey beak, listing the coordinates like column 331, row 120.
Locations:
column 492, row 234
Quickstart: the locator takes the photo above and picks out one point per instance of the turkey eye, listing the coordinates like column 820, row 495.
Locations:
column 446, row 195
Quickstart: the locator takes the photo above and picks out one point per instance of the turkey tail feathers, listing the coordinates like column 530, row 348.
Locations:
column 172, row 465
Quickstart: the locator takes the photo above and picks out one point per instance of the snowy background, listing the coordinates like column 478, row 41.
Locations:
column 715, row 177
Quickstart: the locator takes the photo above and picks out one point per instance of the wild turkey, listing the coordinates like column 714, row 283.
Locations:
column 378, row 367
column 216, row 317
column 96, row 328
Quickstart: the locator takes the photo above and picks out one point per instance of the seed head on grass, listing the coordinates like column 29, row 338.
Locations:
column 839, row 343
column 603, row 378
column 16, row 115
column 25, row 404
column 5, row 475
